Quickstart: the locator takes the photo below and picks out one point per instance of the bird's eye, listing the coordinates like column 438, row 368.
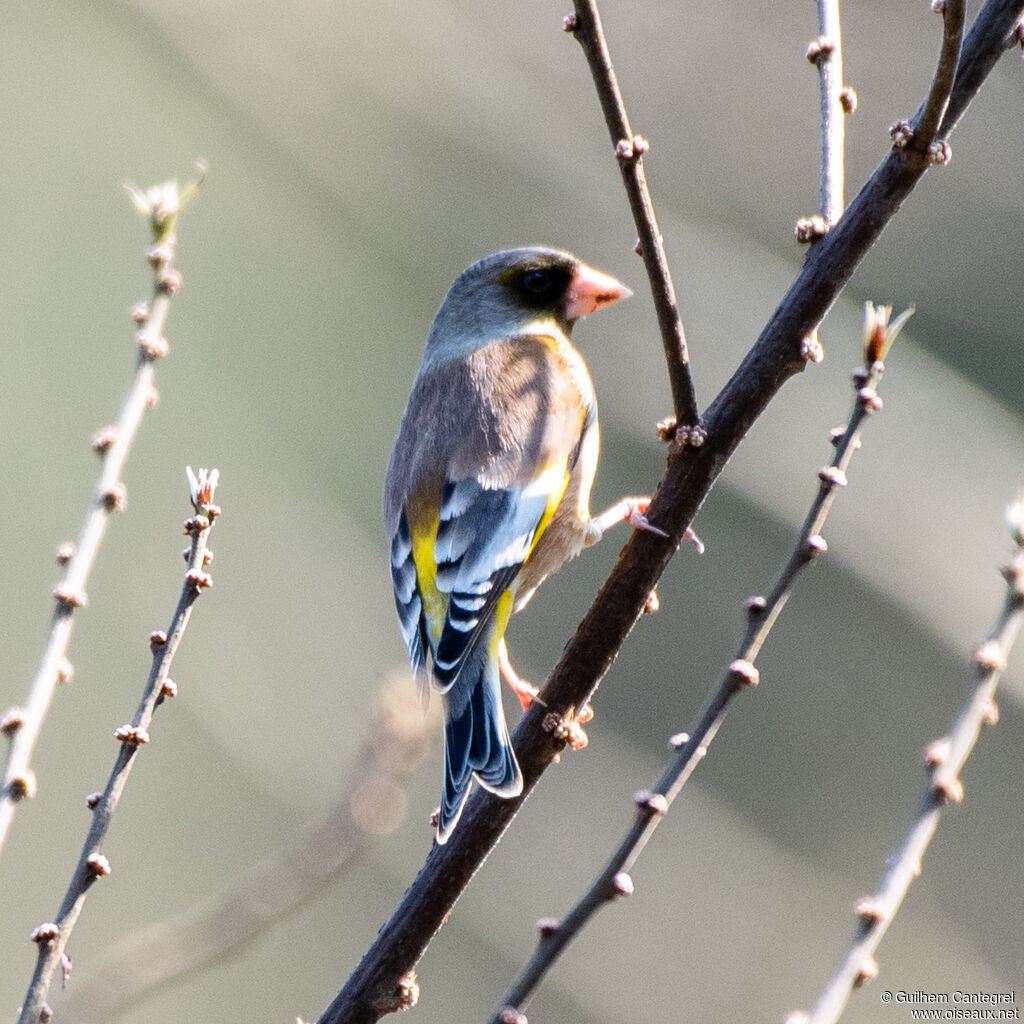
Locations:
column 538, row 282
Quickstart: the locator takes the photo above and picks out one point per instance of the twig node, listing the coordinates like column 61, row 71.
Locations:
column 157, row 639
column 870, row 399
column 169, row 280
column 868, row 972
column 133, row 734
column 103, row 440
column 199, row 579
column 820, row 49
column 408, row 991
column 939, row 152
column 152, row 346
column 848, row 99
column 631, row 149
column 744, row 673
column 833, row 476
column 65, row 553
column 622, row 884
column 161, row 252
column 70, row 598
column 811, row 349
column 23, row 786
column 679, row 437
column 13, row 719
column 869, row 910
column 115, row 497
column 98, row 865
column 509, row 1014
column 93, row 799
column 656, row 803
column 947, row 789
column 569, row 23
column 45, row 933
column 936, row 752
column 902, row 134
column 810, row 229
column 816, row 545
column 990, row 714
column 547, row 926
column 990, row 657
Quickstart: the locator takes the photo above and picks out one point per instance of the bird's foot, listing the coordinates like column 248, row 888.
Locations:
column 628, row 510
column 526, row 693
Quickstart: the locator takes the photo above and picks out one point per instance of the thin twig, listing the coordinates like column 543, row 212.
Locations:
column 629, row 149
column 52, row 937
column 926, row 125
column 652, row 805
column 945, row 759
column 383, row 981
column 826, row 53
column 23, row 725
column 371, row 804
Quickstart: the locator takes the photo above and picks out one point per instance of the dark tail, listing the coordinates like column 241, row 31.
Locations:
column 476, row 740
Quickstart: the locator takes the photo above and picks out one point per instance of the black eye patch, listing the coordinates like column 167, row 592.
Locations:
column 543, row 287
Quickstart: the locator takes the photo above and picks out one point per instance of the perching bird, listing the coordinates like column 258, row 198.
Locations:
column 488, row 490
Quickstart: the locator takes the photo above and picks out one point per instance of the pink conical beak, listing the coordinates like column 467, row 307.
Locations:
column 590, row 290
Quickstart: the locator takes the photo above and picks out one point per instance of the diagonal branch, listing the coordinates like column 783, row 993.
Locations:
column 384, row 980
column 371, row 804
column 945, row 759
column 23, row 725
column 629, row 149
column 926, row 124
column 691, row 748
column 52, row 937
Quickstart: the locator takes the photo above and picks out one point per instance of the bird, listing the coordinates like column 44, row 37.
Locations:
column 488, row 491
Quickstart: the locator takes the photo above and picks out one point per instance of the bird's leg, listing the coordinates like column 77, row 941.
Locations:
column 526, row 692
column 634, row 512
column 626, row 510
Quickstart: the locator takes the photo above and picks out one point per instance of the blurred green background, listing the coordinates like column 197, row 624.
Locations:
column 361, row 155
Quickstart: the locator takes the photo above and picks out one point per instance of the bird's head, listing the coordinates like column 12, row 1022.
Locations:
column 519, row 291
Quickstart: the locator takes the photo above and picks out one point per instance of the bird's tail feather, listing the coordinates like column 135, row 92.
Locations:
column 476, row 740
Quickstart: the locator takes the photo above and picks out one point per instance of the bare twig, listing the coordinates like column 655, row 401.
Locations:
column 586, row 26
column 826, row 53
column 371, row 804
column 383, row 981
column 614, row 880
column 926, row 125
column 161, row 205
column 945, row 759
column 52, row 937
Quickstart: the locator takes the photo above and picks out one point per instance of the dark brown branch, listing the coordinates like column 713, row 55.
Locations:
column 381, row 981
column 629, row 149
